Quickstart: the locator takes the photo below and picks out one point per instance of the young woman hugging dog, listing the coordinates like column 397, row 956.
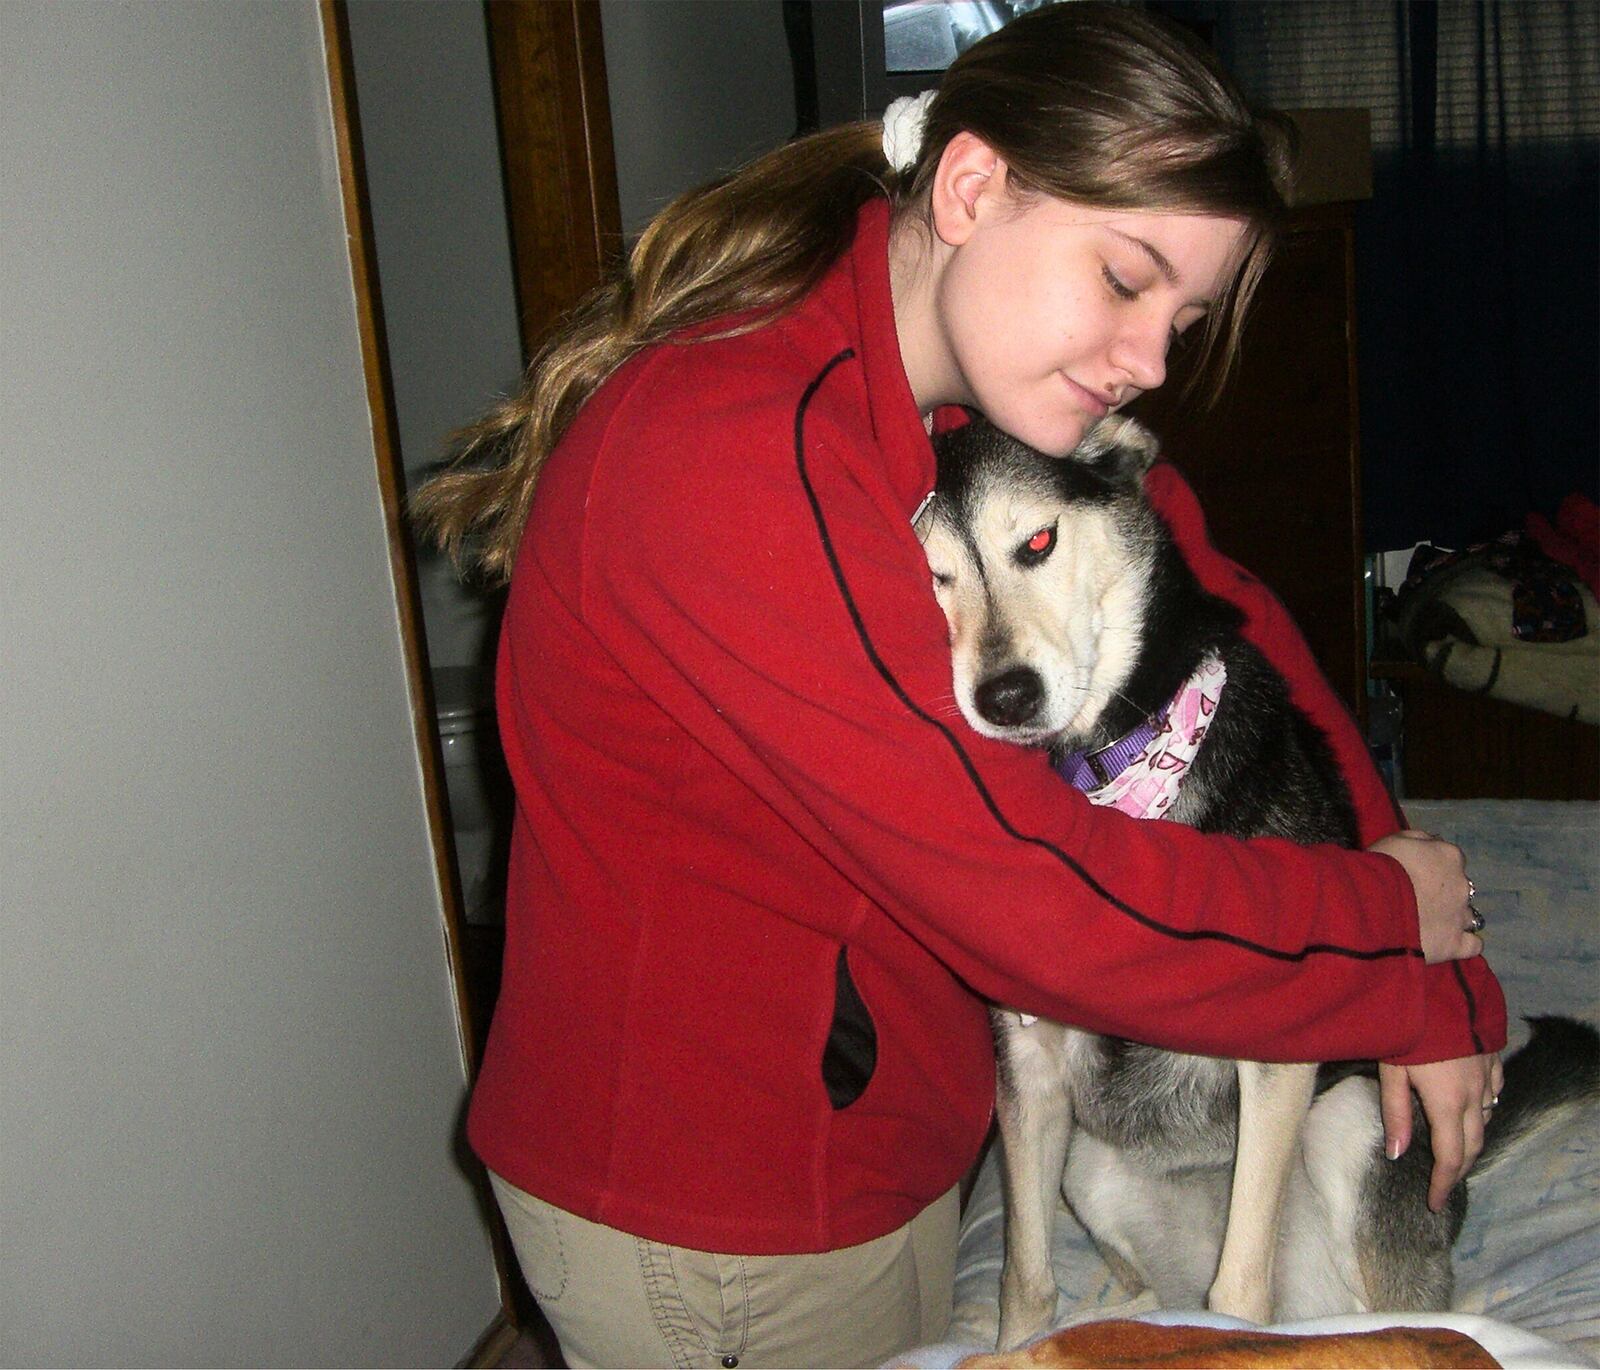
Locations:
column 763, row 879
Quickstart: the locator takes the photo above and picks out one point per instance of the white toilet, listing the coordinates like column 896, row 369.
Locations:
column 480, row 793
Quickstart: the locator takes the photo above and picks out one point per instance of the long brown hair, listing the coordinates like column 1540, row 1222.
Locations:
column 1090, row 102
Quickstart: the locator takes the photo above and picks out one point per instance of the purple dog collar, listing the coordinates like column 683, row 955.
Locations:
column 1141, row 773
column 1088, row 771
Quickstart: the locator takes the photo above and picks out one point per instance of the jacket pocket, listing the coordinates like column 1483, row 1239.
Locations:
column 851, row 1053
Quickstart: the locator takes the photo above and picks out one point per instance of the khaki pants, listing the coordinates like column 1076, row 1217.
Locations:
column 616, row 1299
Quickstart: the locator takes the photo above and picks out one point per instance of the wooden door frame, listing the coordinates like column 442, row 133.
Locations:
column 557, row 156
column 502, row 1331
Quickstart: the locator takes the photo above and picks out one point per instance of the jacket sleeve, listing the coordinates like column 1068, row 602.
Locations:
column 749, row 567
column 1465, row 1011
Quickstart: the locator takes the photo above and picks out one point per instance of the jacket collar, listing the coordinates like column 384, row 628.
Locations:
column 861, row 279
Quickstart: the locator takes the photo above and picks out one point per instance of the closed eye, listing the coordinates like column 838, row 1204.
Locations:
column 1037, row 547
column 1118, row 288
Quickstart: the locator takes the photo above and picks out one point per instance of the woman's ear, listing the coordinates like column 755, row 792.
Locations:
column 970, row 174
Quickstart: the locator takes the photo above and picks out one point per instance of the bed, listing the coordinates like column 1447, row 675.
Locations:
column 1528, row 1261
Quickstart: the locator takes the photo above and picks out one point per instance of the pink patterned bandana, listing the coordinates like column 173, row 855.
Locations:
column 1148, row 784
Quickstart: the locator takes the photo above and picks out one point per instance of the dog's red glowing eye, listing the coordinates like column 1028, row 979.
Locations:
column 1037, row 549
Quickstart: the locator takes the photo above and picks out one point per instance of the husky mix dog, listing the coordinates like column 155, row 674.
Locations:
column 1259, row 1190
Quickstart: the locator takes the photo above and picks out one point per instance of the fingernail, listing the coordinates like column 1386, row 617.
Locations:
column 1391, row 1148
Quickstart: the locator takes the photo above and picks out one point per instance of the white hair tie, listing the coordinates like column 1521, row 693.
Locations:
column 903, row 123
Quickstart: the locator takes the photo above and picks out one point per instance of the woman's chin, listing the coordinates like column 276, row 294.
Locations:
column 1055, row 435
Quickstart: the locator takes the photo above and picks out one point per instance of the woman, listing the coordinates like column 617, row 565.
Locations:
column 762, row 879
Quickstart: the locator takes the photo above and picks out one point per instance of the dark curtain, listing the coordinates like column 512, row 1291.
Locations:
column 1478, row 294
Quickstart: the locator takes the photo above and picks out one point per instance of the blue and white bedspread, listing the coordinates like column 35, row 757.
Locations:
column 1528, row 1261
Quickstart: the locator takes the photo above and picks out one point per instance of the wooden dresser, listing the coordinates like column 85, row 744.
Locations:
column 1457, row 745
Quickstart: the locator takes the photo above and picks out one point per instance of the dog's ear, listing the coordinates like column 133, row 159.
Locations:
column 1119, row 450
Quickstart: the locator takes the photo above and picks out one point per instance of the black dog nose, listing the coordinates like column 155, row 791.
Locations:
column 1010, row 698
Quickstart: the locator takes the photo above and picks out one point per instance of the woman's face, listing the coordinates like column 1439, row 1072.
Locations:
column 1045, row 315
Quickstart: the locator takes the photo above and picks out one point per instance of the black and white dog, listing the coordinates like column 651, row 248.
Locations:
column 1075, row 625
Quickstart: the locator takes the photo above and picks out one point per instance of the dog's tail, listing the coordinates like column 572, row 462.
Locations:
column 1547, row 1081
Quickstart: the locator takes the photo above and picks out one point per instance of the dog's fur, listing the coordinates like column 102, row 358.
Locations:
column 1069, row 642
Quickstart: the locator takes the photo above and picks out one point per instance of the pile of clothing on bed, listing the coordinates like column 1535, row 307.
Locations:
column 1515, row 618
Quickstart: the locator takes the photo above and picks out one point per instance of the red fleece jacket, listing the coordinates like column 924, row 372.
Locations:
column 724, row 692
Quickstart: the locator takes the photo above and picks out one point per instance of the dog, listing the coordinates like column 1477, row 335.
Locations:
column 1262, row 1190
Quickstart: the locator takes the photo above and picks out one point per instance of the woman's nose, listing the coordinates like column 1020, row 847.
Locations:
column 1141, row 351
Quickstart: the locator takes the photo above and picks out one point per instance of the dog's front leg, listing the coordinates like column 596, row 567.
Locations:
column 1273, row 1103
column 1035, row 1116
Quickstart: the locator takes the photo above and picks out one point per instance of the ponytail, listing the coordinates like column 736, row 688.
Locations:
column 741, row 250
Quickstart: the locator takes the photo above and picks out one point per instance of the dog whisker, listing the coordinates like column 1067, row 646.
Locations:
column 943, row 706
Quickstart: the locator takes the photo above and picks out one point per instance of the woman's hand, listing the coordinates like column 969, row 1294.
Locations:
column 1458, row 1097
column 1438, row 874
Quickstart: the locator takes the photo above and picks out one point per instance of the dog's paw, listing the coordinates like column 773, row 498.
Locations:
column 1027, row 1310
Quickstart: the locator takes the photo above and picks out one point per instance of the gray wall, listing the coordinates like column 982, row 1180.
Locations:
column 231, row 1077
column 697, row 87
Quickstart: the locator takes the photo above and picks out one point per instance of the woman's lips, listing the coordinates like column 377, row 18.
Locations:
column 1095, row 404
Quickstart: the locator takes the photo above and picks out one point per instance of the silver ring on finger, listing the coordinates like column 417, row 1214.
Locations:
column 1475, row 924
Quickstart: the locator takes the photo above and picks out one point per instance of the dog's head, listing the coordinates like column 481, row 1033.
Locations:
column 1041, row 567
